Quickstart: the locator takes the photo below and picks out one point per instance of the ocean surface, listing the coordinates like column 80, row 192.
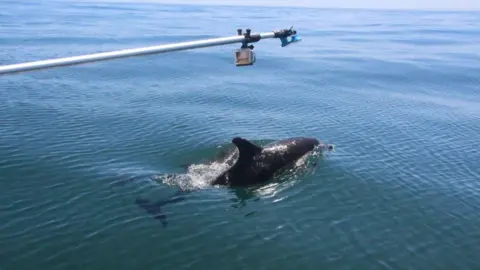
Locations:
column 396, row 92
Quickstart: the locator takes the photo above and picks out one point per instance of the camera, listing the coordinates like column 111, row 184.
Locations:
column 244, row 57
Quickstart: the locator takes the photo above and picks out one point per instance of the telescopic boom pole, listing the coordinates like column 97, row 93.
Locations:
column 245, row 38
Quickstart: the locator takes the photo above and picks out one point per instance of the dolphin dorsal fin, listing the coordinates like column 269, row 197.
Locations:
column 246, row 148
column 246, row 153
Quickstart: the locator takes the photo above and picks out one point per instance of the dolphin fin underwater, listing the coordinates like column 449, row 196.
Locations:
column 155, row 208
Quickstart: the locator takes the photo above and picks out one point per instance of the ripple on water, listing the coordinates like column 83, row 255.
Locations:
column 398, row 99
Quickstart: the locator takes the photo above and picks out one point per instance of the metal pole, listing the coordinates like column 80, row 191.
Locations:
column 75, row 60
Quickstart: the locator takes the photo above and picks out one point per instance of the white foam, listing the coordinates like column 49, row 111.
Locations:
column 200, row 176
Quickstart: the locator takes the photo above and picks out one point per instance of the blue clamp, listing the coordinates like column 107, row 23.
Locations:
column 286, row 40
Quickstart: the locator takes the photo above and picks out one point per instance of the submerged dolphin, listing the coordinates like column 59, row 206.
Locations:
column 248, row 164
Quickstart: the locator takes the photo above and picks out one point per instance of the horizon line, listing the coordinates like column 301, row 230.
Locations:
column 264, row 5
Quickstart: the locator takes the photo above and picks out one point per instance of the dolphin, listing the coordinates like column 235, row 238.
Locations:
column 256, row 164
column 248, row 164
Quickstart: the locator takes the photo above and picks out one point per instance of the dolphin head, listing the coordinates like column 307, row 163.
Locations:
column 325, row 147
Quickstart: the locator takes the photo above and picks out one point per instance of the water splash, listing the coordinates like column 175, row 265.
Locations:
column 197, row 176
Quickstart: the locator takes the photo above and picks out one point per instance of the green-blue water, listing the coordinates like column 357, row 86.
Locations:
column 397, row 92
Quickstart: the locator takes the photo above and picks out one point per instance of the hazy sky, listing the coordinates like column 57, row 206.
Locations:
column 388, row 4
